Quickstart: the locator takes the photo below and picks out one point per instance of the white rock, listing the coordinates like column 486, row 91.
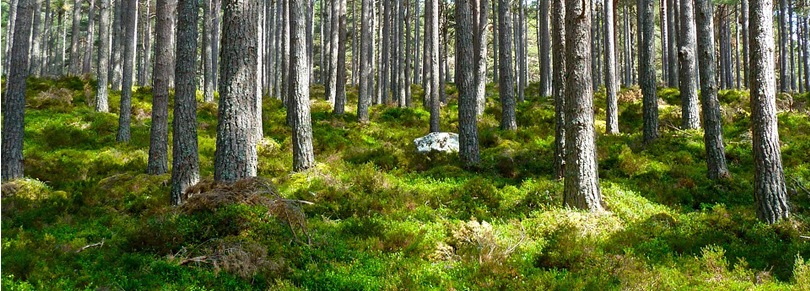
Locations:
column 437, row 141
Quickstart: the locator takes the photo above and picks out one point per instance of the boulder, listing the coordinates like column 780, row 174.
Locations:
column 437, row 141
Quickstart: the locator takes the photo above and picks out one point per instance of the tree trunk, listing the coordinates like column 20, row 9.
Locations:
column 646, row 69
column 385, row 65
column 401, row 61
column 257, row 102
column 207, row 57
column 367, row 53
column 235, row 157
column 35, row 66
column 612, row 112
column 10, row 29
column 128, row 42
column 101, row 102
column 406, row 81
column 712, row 120
column 88, row 50
column 46, row 46
column 744, row 13
column 158, row 142
column 63, row 43
column 769, row 178
column 737, row 49
column 495, row 41
column 506, row 82
column 558, row 85
column 117, row 47
column 479, row 26
column 521, row 52
column 340, row 97
column 331, row 73
column 672, row 45
column 303, row 156
column 467, row 86
column 790, row 34
column 75, row 55
column 185, row 159
column 417, row 65
column 688, row 67
column 215, row 37
column 545, row 46
column 783, row 74
column 581, row 188
column 434, row 65
column 14, row 98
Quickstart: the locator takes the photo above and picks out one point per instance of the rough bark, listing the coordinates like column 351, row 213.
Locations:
column 185, row 158
column 770, row 192
column 467, row 86
column 35, row 65
column 612, row 111
column 672, row 45
column 14, row 99
column 128, row 42
column 495, row 42
column 558, row 85
column 366, row 54
column 158, row 162
column 434, row 65
column 75, row 55
column 406, row 58
column 101, row 101
column 235, row 157
column 712, row 120
column 332, row 55
column 520, row 50
column 688, row 67
column 646, row 69
column 506, row 81
column 545, row 46
column 340, row 96
column 215, row 40
column 581, row 189
column 303, row 156
column 744, row 24
column 88, row 48
column 10, row 29
column 783, row 73
column 480, row 15
column 117, row 48
column 207, row 57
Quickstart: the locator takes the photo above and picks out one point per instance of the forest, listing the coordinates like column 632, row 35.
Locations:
column 405, row 145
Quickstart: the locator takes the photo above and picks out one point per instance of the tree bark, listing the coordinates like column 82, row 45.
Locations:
column 75, row 55
column 545, row 46
column 783, row 73
column 185, row 158
column 101, row 101
column 495, row 41
column 479, row 26
column 340, row 97
column 467, row 83
column 581, row 188
column 769, row 179
column 434, row 66
column 35, row 65
column 303, row 156
column 10, row 29
column 688, row 67
column 124, row 117
column 207, row 56
column 14, row 99
column 88, row 49
column 558, row 85
column 235, row 157
column 712, row 120
column 612, row 111
column 117, row 47
column 672, row 45
column 367, row 53
column 744, row 13
column 506, row 82
column 331, row 73
column 163, row 68
column 646, row 69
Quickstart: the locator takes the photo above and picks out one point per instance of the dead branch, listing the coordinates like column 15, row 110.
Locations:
column 200, row 259
column 98, row 244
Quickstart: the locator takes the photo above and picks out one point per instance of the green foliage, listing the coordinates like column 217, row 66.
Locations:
column 383, row 216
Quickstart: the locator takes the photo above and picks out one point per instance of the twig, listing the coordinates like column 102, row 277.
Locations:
column 804, row 237
column 298, row 201
column 200, row 259
column 98, row 244
column 800, row 186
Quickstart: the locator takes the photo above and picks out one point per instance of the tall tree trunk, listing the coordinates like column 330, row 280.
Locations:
column 581, row 176
column 737, row 48
column 303, row 156
column 545, row 46
column 665, row 58
column 401, row 61
column 646, row 69
column 46, row 45
column 434, row 65
column 612, row 112
column 468, row 89
column 406, row 81
column 14, row 98
column 88, row 49
column 235, row 157
column 216, row 8
column 712, row 120
column 257, row 105
column 101, row 102
column 558, row 85
column 783, row 73
column 426, row 69
column 495, row 41
column 366, row 90
column 163, row 68
column 35, row 66
column 744, row 24
column 10, row 29
column 805, row 61
column 479, row 26
column 117, row 47
column 331, row 73
column 506, row 83
column 672, row 45
column 417, row 65
column 63, row 43
column 207, row 57
column 385, row 65
column 130, row 25
column 521, row 52
column 340, row 96
column 790, row 34
column 769, row 179
column 688, row 67
column 185, row 161
column 75, row 55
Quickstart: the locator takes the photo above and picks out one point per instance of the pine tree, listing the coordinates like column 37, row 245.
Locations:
column 185, row 161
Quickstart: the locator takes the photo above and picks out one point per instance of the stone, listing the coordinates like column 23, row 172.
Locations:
column 437, row 141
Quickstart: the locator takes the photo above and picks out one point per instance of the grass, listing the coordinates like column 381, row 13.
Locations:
column 387, row 218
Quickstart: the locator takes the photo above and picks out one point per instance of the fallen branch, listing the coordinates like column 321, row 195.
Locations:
column 98, row 244
column 200, row 259
column 298, row 201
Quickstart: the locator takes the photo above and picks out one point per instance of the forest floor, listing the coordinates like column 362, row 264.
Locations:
column 384, row 217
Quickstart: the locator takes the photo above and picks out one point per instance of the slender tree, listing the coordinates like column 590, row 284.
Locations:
column 558, row 85
column 185, row 161
column 770, row 192
column 101, row 103
column 646, row 69
column 75, row 54
column 367, row 53
column 332, row 55
column 544, row 48
column 672, row 44
column 124, row 117
column 712, row 120
column 207, row 57
column 480, row 15
column 744, row 24
column 303, row 156
column 36, row 39
column 235, row 157
column 581, row 178
column 117, row 49
column 506, row 81
column 88, row 48
column 433, row 37
column 688, row 66
column 340, row 97
column 14, row 98
column 467, row 87
column 612, row 112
